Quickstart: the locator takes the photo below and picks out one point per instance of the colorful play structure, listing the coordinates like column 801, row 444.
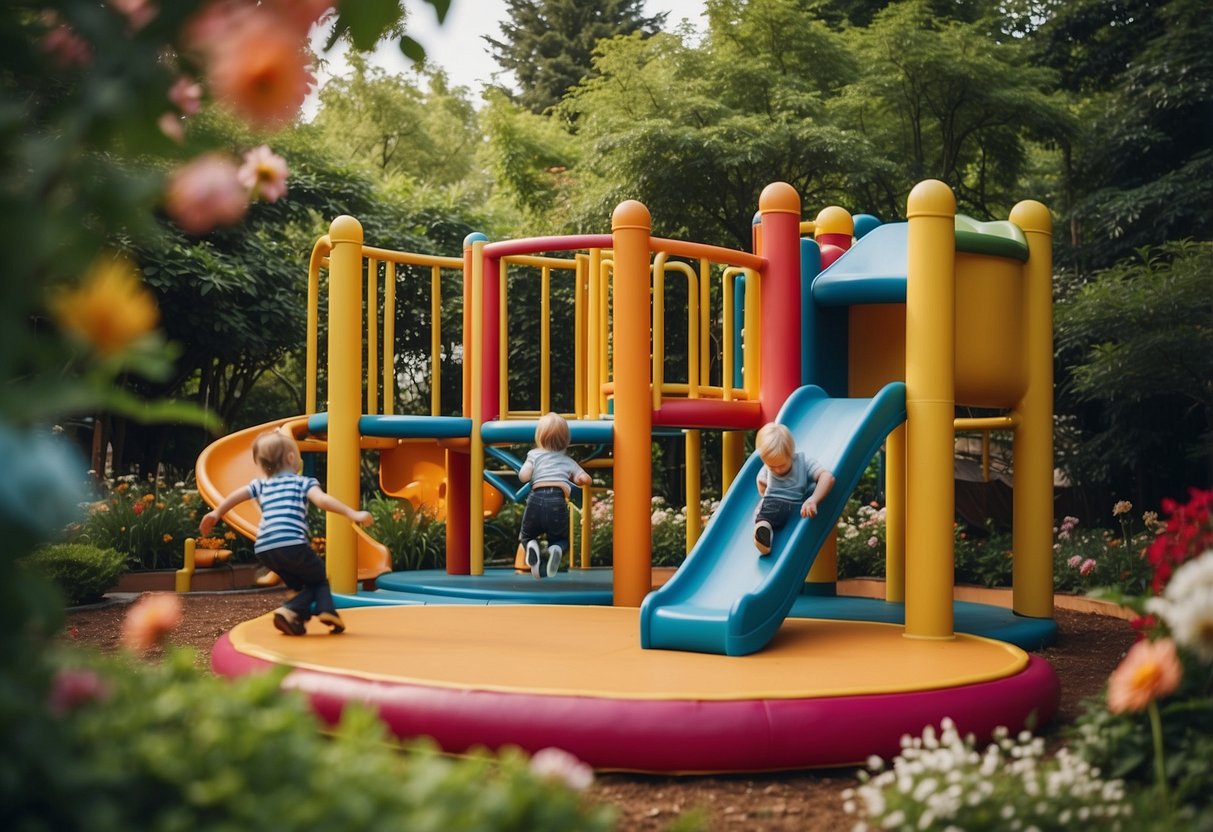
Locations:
column 855, row 334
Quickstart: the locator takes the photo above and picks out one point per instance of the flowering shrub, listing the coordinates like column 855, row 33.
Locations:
column 148, row 522
column 944, row 783
column 1154, row 724
column 669, row 529
column 1083, row 559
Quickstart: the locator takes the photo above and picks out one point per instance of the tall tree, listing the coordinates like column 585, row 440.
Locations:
column 402, row 133
column 548, row 44
column 1141, row 170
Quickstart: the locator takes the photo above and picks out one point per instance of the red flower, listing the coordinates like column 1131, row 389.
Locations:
column 138, row 507
column 1189, row 532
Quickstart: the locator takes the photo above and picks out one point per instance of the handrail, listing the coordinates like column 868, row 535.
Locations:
column 660, row 266
column 380, row 352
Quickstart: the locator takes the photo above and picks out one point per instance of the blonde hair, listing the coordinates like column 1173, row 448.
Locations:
column 552, row 432
column 774, row 444
column 271, row 449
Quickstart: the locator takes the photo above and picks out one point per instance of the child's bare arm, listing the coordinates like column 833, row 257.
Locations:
column 761, row 482
column 327, row 502
column 216, row 514
column 582, row 478
column 524, row 473
column 825, row 481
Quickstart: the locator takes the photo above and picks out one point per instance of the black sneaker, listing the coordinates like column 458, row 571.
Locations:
column 287, row 621
column 532, row 557
column 762, row 537
column 333, row 621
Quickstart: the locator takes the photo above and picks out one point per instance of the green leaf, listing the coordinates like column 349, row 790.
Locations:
column 441, row 7
column 369, row 21
column 412, row 50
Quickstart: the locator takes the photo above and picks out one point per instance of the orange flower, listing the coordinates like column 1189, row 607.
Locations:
column 1150, row 670
column 259, row 67
column 150, row 619
column 168, row 538
column 109, row 309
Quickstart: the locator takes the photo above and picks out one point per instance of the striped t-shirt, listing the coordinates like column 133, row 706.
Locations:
column 283, row 501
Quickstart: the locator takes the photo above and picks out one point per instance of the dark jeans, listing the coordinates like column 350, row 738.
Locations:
column 302, row 570
column 547, row 512
column 776, row 511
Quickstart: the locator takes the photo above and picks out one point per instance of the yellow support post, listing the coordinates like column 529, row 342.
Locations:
column 185, row 575
column 631, row 313
column 895, row 516
column 930, row 408
column 345, row 397
column 1032, row 524
column 476, row 452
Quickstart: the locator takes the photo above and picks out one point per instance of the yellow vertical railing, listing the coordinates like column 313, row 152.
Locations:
column 435, row 341
column 389, row 338
column 372, row 334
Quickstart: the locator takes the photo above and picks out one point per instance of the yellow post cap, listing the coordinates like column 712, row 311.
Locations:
column 834, row 220
column 345, row 229
column 1031, row 215
column 931, row 198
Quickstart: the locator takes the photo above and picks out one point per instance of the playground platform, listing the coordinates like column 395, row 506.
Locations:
column 458, row 659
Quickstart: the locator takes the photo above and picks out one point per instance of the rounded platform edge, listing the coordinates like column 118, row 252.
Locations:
column 675, row 736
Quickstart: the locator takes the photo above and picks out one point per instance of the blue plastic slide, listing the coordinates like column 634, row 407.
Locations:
column 726, row 598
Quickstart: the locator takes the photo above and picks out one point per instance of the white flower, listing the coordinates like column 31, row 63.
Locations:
column 1191, row 622
column 557, row 764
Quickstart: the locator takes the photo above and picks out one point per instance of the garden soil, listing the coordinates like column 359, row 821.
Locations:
column 1088, row 648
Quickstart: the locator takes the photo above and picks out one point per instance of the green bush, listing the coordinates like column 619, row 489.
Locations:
column 126, row 745
column 81, row 572
column 415, row 539
column 148, row 523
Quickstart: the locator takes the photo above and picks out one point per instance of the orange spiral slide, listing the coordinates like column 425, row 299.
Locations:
column 227, row 464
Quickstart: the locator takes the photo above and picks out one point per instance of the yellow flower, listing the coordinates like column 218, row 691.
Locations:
column 147, row 498
column 109, row 309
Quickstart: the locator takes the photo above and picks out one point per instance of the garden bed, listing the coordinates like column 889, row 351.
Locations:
column 210, row 579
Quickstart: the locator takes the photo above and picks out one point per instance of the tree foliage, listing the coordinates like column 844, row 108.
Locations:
column 1138, row 340
column 547, row 44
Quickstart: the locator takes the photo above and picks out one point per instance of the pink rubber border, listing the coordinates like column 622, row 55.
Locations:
column 676, row 735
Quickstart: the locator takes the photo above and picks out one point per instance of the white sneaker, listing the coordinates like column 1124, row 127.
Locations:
column 762, row 537
column 532, row 557
column 554, row 557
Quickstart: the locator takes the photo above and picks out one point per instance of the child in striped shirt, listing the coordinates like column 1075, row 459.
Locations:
column 282, row 538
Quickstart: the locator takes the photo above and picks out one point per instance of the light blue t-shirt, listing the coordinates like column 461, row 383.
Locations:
column 283, row 501
column 797, row 483
column 551, row 466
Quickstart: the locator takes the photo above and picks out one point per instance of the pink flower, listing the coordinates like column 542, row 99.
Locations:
column 263, row 174
column 557, row 764
column 170, row 125
column 186, row 95
column 206, row 193
column 73, row 688
column 1074, row 561
column 151, row 618
column 1149, row 671
column 873, row 542
column 66, row 47
column 1087, row 567
column 258, row 66
column 138, row 13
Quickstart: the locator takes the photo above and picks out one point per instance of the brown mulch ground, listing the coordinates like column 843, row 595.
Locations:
column 1088, row 648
